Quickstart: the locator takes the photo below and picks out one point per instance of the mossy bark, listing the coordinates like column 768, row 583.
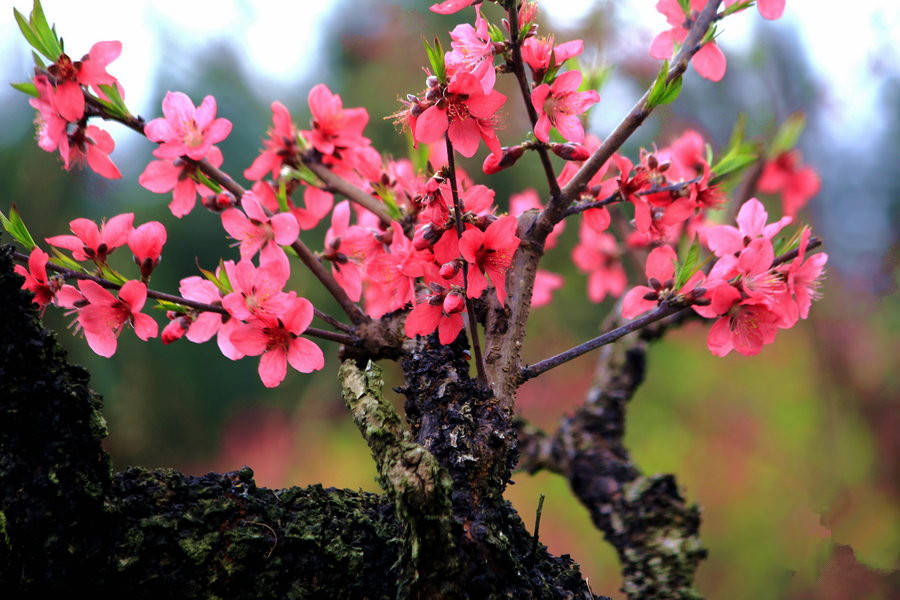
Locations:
column 68, row 523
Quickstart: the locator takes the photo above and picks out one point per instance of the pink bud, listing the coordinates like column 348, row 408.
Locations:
column 570, row 151
column 449, row 269
column 454, row 303
column 493, row 164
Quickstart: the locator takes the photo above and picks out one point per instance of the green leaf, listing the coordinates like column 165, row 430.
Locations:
column 167, row 305
column 26, row 87
column 496, row 33
column 435, row 55
column 15, row 226
column 114, row 98
column 30, row 36
column 111, row 274
column 685, row 6
column 663, row 92
column 688, row 266
column 38, row 62
column 387, row 196
column 739, row 154
column 418, row 154
column 787, row 135
column 220, row 282
column 43, row 30
column 737, row 6
column 281, row 195
column 64, row 261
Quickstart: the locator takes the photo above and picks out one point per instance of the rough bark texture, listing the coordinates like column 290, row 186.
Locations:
column 654, row 531
column 67, row 522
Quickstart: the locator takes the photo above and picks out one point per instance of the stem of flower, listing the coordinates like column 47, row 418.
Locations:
column 470, row 310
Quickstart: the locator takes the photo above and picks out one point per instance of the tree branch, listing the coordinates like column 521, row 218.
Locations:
column 470, row 310
column 518, row 68
column 351, row 192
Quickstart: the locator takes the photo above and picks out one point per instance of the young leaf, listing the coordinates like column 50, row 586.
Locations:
column 436, row 59
column 15, row 226
column 688, row 266
column 43, row 30
column 26, row 87
column 787, row 135
column 114, row 98
column 64, row 261
column 663, row 92
column 30, row 36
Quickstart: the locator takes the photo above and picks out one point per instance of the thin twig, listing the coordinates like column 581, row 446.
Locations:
column 470, row 310
column 340, row 185
column 333, row 322
column 349, row 340
column 557, row 206
column 664, row 310
column 537, row 525
column 518, row 69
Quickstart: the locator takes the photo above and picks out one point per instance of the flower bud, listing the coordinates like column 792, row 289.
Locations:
column 454, row 303
column 570, row 151
column 493, row 164
column 449, row 269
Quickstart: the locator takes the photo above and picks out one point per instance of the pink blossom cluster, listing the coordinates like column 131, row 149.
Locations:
column 428, row 240
column 60, row 103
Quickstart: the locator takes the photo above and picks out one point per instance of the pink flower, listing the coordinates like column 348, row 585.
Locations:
column 348, row 247
column 708, row 61
column 804, row 275
column 146, row 244
column 162, row 176
column 334, row 127
column 281, row 145
column 448, row 7
column 50, row 124
column 278, row 341
column 256, row 230
column 257, row 290
column 391, row 275
column 725, row 239
column 186, row 130
column 105, row 315
column 597, row 255
column 89, row 71
column 465, row 113
column 537, row 51
column 431, row 314
column 317, row 203
column 91, row 243
column 559, row 105
column 660, row 271
column 747, row 327
column 473, row 52
column 36, row 280
column 490, row 252
column 91, row 145
column 207, row 324
column 796, row 184
column 545, row 283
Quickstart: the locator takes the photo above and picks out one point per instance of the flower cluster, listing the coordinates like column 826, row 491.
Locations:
column 421, row 236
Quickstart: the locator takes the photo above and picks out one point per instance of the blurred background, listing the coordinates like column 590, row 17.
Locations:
column 793, row 455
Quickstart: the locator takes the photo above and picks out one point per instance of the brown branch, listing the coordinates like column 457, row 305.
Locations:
column 336, row 183
column 518, row 68
column 470, row 310
column 664, row 310
column 333, row 336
